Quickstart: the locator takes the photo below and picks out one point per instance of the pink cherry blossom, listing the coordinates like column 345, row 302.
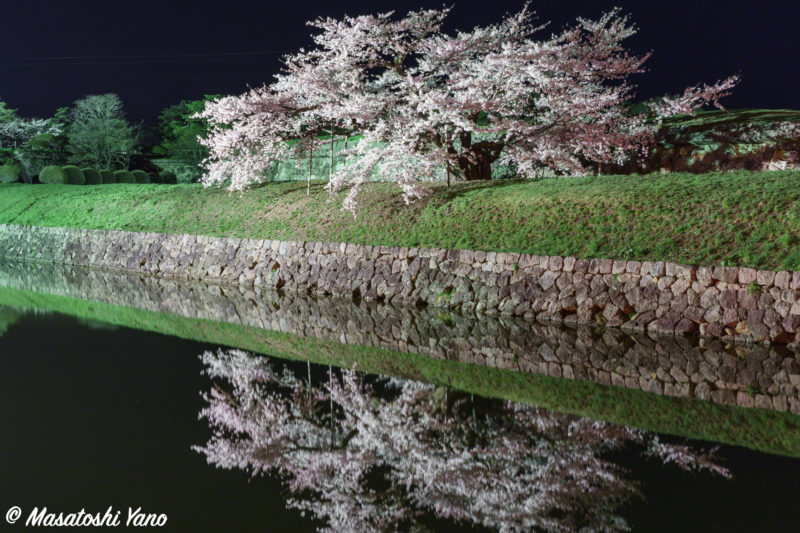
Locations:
column 436, row 106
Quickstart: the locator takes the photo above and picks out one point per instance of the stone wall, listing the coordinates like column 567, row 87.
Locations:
column 744, row 375
column 733, row 304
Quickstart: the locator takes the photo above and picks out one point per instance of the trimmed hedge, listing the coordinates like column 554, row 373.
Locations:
column 141, row 176
column 108, row 176
column 155, row 178
column 74, row 175
column 52, row 174
column 9, row 173
column 92, row 176
column 123, row 176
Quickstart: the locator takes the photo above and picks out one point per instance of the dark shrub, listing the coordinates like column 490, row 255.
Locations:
column 123, row 176
column 74, row 175
column 108, row 176
column 9, row 173
column 43, row 140
column 92, row 176
column 141, row 176
column 155, row 178
column 52, row 174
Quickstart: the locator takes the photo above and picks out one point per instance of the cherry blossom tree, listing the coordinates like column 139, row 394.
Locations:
column 19, row 131
column 362, row 461
column 431, row 104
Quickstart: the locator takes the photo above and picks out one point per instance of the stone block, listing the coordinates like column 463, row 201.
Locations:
column 783, row 279
column 547, row 279
column 729, row 299
column 709, row 298
column 704, row 276
column 581, row 265
column 747, row 275
column 765, row 277
column 657, row 269
column 633, row 267
column 726, row 274
column 680, row 286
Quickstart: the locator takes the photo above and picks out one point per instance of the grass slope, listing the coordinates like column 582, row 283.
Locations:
column 736, row 218
column 764, row 430
column 731, row 117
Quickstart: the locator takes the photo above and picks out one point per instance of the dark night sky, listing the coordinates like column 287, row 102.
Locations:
column 693, row 41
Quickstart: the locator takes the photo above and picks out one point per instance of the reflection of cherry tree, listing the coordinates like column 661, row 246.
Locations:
column 363, row 463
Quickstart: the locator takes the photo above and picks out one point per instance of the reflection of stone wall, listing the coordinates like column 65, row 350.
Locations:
column 747, row 375
column 739, row 304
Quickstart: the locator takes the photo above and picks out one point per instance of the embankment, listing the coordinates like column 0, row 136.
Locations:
column 730, row 303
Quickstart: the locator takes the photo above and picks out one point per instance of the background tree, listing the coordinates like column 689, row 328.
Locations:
column 17, row 132
column 6, row 113
column 99, row 135
column 30, row 143
column 430, row 104
column 179, row 131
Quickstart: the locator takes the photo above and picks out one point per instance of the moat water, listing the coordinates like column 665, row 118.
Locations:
column 228, row 409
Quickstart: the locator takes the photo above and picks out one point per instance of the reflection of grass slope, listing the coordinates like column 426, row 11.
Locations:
column 7, row 317
column 764, row 430
column 736, row 218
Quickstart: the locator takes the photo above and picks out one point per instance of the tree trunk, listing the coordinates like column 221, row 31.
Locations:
column 476, row 168
column 475, row 160
column 330, row 170
column 308, row 182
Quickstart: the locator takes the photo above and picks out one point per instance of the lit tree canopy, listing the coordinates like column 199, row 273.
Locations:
column 20, row 131
column 429, row 103
column 99, row 135
column 16, row 131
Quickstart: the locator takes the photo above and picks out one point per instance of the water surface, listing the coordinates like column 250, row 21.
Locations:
column 191, row 413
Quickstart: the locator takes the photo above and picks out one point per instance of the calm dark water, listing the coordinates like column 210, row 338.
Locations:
column 95, row 416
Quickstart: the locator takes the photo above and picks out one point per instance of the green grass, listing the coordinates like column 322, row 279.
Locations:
column 764, row 430
column 735, row 219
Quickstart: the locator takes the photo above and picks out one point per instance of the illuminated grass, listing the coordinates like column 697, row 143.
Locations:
column 737, row 218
